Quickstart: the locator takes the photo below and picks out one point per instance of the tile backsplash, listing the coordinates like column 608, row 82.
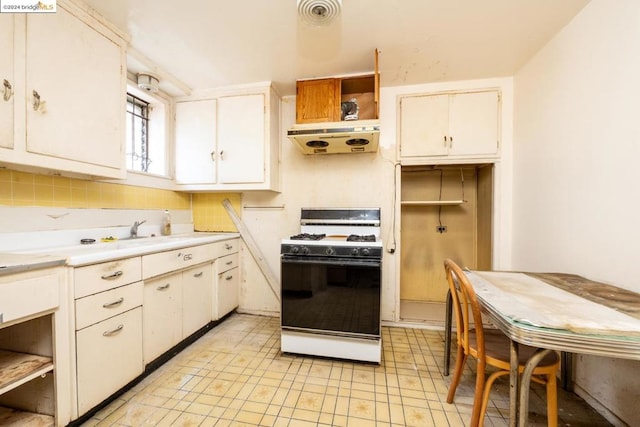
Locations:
column 22, row 189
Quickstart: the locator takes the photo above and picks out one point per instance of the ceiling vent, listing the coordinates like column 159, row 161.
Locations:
column 148, row 83
column 319, row 12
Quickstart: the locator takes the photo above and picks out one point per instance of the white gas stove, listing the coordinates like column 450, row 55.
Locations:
column 331, row 274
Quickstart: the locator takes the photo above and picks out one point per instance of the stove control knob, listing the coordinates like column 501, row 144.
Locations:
column 365, row 252
column 305, row 250
column 354, row 251
column 329, row 251
column 295, row 249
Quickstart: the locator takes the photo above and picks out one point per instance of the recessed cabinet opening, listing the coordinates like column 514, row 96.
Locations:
column 445, row 213
column 27, row 378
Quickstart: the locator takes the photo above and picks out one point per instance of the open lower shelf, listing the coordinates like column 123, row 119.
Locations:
column 432, row 202
column 14, row 417
column 19, row 368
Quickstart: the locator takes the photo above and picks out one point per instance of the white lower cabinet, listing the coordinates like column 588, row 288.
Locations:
column 33, row 359
column 108, row 324
column 109, row 356
column 162, row 315
column 196, row 298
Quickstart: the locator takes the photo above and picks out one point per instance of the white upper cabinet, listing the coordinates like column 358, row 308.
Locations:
column 450, row 125
column 7, row 80
column 196, row 147
column 241, row 139
column 229, row 141
column 69, row 108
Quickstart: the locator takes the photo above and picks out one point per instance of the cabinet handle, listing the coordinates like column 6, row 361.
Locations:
column 113, row 275
column 113, row 304
column 445, row 141
column 228, row 246
column 229, row 262
column 8, row 90
column 198, row 274
column 228, row 277
column 164, row 287
column 213, row 156
column 221, row 154
column 187, row 257
column 38, row 104
column 450, row 142
column 113, row 331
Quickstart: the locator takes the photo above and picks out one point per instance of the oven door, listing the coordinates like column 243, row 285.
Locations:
column 339, row 296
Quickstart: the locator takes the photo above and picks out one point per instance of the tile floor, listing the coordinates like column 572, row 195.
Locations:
column 235, row 375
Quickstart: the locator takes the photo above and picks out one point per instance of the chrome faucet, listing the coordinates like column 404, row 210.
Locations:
column 134, row 228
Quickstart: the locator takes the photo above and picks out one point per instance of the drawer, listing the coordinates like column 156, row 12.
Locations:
column 164, row 262
column 226, row 263
column 107, row 275
column 109, row 356
column 226, row 247
column 95, row 308
column 26, row 294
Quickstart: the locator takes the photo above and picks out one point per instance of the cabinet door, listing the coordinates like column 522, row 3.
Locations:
column 6, row 78
column 424, row 125
column 197, row 287
column 78, row 75
column 317, row 101
column 109, row 356
column 227, row 285
column 196, row 155
column 162, row 315
column 473, row 123
column 241, row 139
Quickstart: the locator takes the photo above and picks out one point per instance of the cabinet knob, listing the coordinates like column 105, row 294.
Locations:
column 163, row 287
column 221, row 154
column 8, row 90
column 213, row 156
column 198, row 274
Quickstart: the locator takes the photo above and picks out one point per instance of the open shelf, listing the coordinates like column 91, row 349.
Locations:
column 20, row 368
column 432, row 202
column 14, row 417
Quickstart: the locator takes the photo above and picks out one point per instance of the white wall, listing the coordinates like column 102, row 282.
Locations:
column 356, row 180
column 576, row 146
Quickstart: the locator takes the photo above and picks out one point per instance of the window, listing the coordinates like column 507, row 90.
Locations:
column 137, row 134
column 146, row 144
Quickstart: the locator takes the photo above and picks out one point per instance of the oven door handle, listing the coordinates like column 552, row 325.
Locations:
column 358, row 262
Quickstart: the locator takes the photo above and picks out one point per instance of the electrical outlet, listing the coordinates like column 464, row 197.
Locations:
column 441, row 229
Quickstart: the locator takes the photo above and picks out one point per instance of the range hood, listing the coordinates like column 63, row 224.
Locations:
column 358, row 136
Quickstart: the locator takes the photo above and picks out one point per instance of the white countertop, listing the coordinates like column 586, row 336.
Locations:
column 76, row 255
column 16, row 263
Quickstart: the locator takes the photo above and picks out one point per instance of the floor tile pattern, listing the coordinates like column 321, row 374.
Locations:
column 235, row 375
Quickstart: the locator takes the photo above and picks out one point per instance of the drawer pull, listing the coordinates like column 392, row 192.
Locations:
column 187, row 257
column 228, row 278
column 164, row 287
column 113, row 304
column 228, row 246
column 113, row 331
column 229, row 262
column 198, row 274
column 113, row 275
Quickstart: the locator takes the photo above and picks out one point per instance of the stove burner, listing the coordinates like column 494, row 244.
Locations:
column 307, row 236
column 360, row 238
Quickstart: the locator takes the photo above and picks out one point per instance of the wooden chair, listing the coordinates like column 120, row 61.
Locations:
column 490, row 347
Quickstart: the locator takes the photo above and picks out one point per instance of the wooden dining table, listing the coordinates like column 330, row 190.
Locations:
column 554, row 312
